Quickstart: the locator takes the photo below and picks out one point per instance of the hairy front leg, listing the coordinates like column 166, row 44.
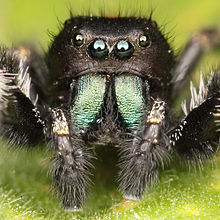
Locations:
column 71, row 164
column 141, row 159
column 20, row 103
column 196, row 138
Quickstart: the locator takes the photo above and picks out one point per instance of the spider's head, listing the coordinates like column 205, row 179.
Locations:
column 109, row 68
column 111, row 46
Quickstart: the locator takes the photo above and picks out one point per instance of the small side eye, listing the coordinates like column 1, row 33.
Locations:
column 78, row 39
column 144, row 41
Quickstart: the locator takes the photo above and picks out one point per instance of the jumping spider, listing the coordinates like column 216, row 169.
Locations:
column 110, row 81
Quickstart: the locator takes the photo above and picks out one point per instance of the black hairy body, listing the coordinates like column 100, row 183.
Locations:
column 109, row 81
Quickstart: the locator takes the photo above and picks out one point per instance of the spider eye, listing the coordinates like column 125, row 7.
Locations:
column 99, row 45
column 123, row 49
column 78, row 39
column 98, row 49
column 122, row 45
column 144, row 41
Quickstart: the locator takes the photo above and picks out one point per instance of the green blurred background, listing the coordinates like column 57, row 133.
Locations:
column 24, row 184
column 22, row 20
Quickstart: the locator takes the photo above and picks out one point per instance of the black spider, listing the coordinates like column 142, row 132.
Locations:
column 109, row 81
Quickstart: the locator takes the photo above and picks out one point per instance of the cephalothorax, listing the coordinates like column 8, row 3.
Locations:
column 109, row 81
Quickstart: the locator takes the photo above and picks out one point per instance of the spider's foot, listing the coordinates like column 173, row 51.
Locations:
column 73, row 209
column 131, row 197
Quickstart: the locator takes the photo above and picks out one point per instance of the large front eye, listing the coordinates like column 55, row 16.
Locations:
column 123, row 49
column 98, row 49
column 144, row 41
column 78, row 40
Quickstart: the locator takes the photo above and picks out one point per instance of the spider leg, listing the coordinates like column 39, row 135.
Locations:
column 25, row 118
column 141, row 159
column 197, row 46
column 71, row 162
column 20, row 107
column 197, row 136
